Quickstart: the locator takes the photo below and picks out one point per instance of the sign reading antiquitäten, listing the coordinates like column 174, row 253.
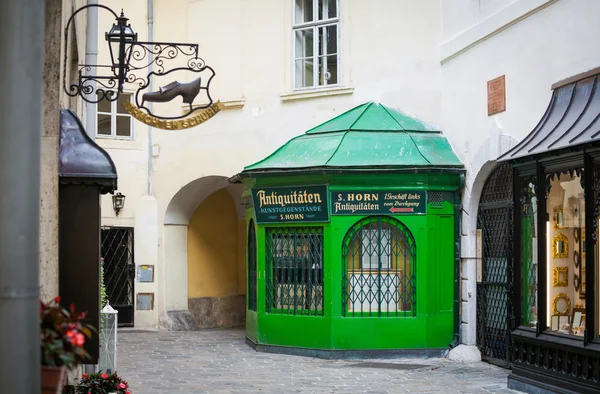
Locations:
column 378, row 202
column 291, row 204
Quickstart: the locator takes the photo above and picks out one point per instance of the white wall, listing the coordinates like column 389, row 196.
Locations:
column 534, row 43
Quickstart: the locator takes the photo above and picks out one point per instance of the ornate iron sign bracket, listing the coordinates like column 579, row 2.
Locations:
column 137, row 63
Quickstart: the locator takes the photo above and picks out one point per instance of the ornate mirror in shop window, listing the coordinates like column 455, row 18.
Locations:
column 561, row 304
column 560, row 276
column 560, row 246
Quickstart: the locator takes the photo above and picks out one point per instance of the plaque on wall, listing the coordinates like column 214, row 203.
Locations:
column 496, row 95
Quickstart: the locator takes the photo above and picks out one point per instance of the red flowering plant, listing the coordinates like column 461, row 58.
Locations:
column 102, row 383
column 63, row 334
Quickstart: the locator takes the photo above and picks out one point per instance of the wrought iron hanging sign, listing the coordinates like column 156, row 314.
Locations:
column 175, row 67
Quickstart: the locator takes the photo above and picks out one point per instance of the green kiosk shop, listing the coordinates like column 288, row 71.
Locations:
column 352, row 239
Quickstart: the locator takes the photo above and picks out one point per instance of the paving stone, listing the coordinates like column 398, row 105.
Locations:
column 219, row 361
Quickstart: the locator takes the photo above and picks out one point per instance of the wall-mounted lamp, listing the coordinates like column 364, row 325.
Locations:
column 118, row 203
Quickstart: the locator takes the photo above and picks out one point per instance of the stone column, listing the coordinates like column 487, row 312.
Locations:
column 50, row 144
column 21, row 68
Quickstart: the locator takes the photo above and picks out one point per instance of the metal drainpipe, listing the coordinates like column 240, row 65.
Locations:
column 21, row 69
column 91, row 57
column 457, row 226
column 91, row 109
column 150, row 58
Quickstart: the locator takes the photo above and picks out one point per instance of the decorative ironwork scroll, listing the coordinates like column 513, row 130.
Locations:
column 138, row 64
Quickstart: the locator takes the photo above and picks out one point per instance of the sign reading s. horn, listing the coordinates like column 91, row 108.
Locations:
column 162, row 94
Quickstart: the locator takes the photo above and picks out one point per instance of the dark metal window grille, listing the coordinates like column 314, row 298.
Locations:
column 119, row 271
column 436, row 199
column 252, row 266
column 294, row 270
column 379, row 269
column 493, row 301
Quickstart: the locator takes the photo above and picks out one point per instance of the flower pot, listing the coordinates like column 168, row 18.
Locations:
column 53, row 379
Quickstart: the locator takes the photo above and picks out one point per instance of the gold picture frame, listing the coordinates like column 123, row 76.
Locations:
column 560, row 277
column 560, row 246
column 561, row 296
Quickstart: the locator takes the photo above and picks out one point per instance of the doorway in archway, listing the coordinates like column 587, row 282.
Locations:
column 494, row 220
column 217, row 263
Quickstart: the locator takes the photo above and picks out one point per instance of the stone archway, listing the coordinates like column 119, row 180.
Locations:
column 188, row 219
column 478, row 171
column 216, row 263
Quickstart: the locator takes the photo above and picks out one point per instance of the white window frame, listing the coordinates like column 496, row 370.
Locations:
column 315, row 25
column 113, row 121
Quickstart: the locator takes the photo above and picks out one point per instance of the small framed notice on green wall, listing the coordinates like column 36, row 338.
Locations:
column 363, row 202
column 291, row 204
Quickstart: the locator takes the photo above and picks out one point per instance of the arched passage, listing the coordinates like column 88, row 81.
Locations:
column 480, row 168
column 216, row 263
column 204, row 254
column 495, row 218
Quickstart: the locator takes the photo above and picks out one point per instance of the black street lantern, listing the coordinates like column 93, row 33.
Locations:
column 120, row 40
column 118, row 202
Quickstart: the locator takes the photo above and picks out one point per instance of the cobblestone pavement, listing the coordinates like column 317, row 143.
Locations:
column 219, row 361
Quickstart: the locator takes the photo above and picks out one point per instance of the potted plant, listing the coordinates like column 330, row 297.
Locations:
column 63, row 334
column 102, row 383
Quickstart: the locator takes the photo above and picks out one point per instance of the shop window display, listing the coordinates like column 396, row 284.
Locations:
column 565, row 264
column 294, row 270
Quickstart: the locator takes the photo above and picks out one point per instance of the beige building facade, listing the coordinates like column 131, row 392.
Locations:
column 282, row 67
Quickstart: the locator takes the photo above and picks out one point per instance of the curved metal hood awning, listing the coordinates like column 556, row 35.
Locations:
column 571, row 120
column 81, row 160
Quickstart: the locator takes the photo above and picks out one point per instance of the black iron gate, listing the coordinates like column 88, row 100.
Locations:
column 119, row 271
column 494, row 285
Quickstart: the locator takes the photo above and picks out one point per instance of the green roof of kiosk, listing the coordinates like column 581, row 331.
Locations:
column 369, row 136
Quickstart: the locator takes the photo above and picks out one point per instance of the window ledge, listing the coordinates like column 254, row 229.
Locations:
column 118, row 143
column 325, row 92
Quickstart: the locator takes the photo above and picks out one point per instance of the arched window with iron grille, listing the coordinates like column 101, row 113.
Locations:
column 379, row 269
